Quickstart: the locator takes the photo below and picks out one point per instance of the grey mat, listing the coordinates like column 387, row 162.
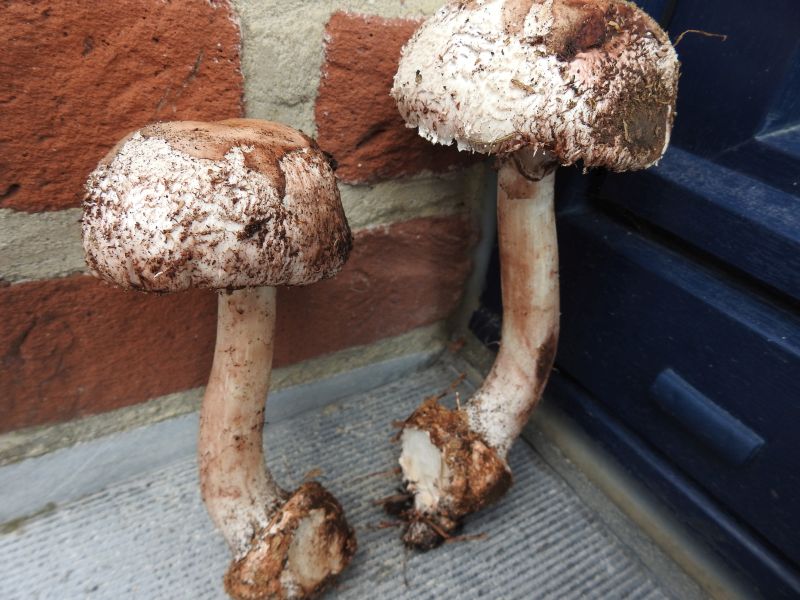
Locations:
column 150, row 538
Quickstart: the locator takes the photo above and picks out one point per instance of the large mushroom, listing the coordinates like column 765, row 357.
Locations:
column 238, row 206
column 538, row 83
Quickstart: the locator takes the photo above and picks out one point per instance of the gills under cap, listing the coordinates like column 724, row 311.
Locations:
column 590, row 80
column 233, row 204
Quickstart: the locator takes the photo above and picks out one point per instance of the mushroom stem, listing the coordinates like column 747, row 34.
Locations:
column 237, row 489
column 529, row 281
column 454, row 461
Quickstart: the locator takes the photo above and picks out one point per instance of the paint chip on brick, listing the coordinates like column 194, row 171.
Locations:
column 357, row 120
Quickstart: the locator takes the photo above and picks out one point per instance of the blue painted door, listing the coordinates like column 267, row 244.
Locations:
column 680, row 343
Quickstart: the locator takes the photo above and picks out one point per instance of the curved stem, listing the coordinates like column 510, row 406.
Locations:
column 238, row 491
column 529, row 279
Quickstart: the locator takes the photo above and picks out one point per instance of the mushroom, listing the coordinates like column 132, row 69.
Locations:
column 537, row 83
column 239, row 206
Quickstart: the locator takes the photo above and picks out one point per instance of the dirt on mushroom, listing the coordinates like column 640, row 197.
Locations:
column 477, row 475
column 287, row 561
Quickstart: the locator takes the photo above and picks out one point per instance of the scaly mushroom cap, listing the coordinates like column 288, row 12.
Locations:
column 233, row 204
column 591, row 80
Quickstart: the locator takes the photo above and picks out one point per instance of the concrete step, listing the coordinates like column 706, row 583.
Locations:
column 148, row 536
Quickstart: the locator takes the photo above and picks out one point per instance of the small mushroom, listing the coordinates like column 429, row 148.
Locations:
column 537, row 83
column 238, row 206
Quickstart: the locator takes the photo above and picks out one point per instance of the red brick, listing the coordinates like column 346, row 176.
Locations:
column 74, row 346
column 398, row 278
column 77, row 76
column 357, row 120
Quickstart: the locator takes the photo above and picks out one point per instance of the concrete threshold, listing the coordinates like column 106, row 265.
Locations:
column 121, row 517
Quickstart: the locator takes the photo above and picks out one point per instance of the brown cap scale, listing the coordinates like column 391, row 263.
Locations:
column 537, row 83
column 239, row 206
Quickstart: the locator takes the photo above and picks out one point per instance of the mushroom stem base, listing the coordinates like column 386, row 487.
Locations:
column 448, row 471
column 301, row 550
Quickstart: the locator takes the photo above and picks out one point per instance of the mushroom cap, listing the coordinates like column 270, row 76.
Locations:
column 591, row 80
column 232, row 204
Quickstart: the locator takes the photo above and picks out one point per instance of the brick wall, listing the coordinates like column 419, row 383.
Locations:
column 75, row 77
